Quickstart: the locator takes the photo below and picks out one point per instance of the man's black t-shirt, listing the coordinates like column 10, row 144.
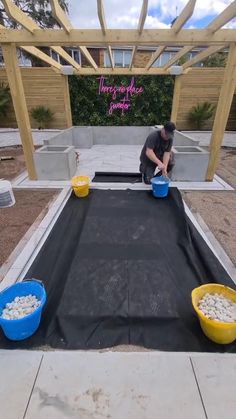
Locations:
column 158, row 145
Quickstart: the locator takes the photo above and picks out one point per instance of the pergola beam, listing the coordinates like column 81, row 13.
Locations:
column 122, row 71
column 184, row 16
column 222, row 112
column 42, row 56
column 67, row 57
column 117, row 37
column 227, row 14
column 102, row 20
column 20, row 106
column 141, row 22
column 202, row 56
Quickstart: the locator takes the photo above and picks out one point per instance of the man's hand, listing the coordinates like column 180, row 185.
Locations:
column 164, row 171
column 161, row 166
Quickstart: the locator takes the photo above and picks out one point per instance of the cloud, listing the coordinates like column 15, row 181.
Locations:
column 122, row 14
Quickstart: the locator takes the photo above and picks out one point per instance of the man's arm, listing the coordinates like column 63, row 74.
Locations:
column 152, row 156
column 166, row 159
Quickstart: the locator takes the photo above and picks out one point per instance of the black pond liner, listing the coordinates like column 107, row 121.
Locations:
column 119, row 267
column 120, row 177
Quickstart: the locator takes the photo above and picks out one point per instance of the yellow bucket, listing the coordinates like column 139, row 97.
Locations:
column 80, row 185
column 219, row 332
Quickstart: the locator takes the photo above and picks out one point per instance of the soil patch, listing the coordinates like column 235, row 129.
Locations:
column 16, row 220
column 9, row 169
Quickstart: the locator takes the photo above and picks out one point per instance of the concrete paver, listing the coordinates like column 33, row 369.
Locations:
column 18, row 370
column 115, row 385
column 216, row 376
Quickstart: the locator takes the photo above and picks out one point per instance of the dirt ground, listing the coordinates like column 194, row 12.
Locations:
column 16, row 220
column 218, row 209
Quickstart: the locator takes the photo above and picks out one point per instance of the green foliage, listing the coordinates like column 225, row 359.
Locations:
column 216, row 60
column 200, row 113
column 42, row 115
column 5, row 98
column 151, row 107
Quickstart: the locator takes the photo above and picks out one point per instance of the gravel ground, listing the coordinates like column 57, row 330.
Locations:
column 218, row 209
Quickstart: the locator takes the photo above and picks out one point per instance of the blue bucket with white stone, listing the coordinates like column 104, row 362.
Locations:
column 160, row 186
column 25, row 326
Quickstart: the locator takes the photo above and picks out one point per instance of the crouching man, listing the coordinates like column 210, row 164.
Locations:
column 156, row 153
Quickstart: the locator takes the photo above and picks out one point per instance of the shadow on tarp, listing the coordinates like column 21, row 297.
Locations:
column 119, row 267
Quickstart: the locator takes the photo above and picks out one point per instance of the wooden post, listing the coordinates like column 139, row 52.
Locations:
column 20, row 107
column 175, row 101
column 222, row 112
column 67, row 101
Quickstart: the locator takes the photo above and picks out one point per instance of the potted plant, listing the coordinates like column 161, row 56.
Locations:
column 5, row 98
column 42, row 115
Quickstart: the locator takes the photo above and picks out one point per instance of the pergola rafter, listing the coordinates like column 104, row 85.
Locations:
column 102, row 20
column 176, row 27
column 212, row 38
column 141, row 22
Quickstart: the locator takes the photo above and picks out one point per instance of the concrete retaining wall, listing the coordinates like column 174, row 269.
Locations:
column 87, row 136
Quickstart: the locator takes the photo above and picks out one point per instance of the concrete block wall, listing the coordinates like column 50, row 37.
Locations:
column 55, row 162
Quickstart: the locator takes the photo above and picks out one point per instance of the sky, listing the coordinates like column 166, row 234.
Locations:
column 124, row 14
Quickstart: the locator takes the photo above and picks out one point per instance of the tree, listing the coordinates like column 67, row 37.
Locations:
column 200, row 113
column 216, row 60
column 40, row 12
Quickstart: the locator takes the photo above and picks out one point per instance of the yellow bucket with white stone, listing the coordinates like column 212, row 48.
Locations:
column 218, row 332
column 80, row 185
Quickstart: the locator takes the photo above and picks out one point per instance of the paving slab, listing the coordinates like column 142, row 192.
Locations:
column 18, row 371
column 216, row 376
column 115, row 385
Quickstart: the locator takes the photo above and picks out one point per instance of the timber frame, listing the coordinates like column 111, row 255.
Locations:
column 213, row 38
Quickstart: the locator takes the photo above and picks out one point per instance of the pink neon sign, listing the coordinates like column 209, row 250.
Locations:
column 128, row 91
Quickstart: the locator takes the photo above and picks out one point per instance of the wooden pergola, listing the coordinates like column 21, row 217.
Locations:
column 212, row 38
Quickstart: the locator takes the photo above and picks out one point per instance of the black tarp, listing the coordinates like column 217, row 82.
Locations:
column 117, row 177
column 119, row 267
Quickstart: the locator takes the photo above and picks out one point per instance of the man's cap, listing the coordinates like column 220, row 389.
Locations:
column 169, row 128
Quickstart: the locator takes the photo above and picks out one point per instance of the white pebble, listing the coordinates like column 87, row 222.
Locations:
column 20, row 307
column 217, row 307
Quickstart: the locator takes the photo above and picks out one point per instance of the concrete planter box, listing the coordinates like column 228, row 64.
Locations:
column 55, row 162
column 191, row 163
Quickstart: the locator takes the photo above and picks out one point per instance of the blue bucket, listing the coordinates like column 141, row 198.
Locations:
column 25, row 327
column 160, row 186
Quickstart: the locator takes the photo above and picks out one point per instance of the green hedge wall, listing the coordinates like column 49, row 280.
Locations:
column 151, row 107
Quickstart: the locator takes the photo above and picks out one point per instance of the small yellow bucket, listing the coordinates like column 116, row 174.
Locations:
column 80, row 185
column 219, row 332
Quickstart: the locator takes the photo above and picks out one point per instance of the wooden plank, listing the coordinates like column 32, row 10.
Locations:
column 121, row 37
column 177, row 56
column 19, row 16
column 102, row 20
column 154, row 57
column 19, row 103
column 227, row 14
column 222, row 112
column 184, row 16
column 44, row 57
column 176, row 96
column 67, row 101
column 60, row 16
column 67, row 57
column 141, row 22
